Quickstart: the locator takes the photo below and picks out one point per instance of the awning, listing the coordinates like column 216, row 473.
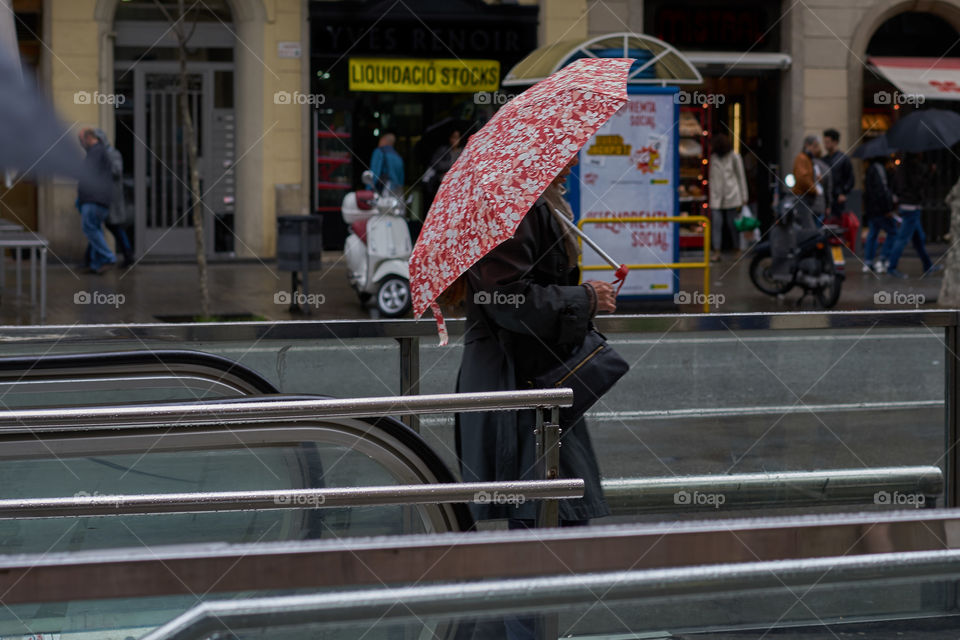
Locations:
column 731, row 60
column 932, row 78
column 660, row 63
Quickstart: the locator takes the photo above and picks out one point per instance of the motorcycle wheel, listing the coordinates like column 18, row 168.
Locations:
column 393, row 297
column 828, row 295
column 761, row 278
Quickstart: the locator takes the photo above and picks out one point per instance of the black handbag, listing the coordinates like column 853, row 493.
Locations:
column 591, row 371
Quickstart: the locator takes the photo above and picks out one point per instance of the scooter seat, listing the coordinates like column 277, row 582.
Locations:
column 359, row 229
column 365, row 199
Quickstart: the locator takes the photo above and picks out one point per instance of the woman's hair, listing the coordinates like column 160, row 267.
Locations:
column 453, row 297
column 721, row 144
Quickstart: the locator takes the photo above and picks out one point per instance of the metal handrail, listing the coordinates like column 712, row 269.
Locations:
column 464, row 601
column 788, row 489
column 516, row 492
column 301, row 330
column 272, row 410
column 464, row 557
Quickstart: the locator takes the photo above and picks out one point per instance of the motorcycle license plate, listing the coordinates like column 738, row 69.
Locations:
column 837, row 255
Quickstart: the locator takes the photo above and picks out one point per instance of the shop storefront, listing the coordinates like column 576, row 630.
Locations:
column 379, row 67
column 736, row 47
column 912, row 65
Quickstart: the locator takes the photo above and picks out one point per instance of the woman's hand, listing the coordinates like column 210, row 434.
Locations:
column 606, row 296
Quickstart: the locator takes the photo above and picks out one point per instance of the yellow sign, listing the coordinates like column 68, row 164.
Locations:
column 611, row 145
column 424, row 75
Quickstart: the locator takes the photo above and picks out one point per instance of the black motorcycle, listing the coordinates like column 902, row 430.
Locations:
column 814, row 261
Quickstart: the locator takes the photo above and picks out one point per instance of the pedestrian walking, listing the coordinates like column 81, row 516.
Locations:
column 878, row 215
column 950, row 287
column 387, row 166
column 821, row 172
column 911, row 182
column 442, row 160
column 117, row 221
column 525, row 309
column 841, row 172
column 809, row 177
column 728, row 194
column 94, row 197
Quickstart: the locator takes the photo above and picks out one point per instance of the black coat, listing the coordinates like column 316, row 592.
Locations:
column 526, row 292
column 96, row 183
column 877, row 197
column 841, row 174
column 911, row 181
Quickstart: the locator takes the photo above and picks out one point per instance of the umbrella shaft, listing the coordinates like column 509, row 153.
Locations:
column 590, row 243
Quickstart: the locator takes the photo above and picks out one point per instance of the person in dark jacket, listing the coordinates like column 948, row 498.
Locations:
column 94, row 197
column 910, row 184
column 878, row 215
column 841, row 172
column 524, row 311
column 117, row 222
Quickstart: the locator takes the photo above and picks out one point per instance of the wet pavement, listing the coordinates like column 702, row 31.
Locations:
column 257, row 288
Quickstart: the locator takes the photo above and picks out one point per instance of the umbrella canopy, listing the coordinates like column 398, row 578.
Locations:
column 925, row 130
column 878, row 147
column 506, row 166
column 32, row 138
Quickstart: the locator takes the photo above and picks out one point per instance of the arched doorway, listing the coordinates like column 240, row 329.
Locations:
column 901, row 32
column 149, row 130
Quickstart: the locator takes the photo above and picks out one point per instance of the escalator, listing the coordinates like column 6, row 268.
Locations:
column 87, row 460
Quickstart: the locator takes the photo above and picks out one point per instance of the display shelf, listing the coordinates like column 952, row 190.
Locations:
column 692, row 186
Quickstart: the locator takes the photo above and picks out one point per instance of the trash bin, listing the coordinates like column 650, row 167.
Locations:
column 299, row 250
column 299, row 243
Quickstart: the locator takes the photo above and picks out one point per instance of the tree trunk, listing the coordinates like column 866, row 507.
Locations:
column 950, row 288
column 190, row 139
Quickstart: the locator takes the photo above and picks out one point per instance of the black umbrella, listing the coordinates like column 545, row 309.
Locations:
column 32, row 138
column 925, row 130
column 878, row 147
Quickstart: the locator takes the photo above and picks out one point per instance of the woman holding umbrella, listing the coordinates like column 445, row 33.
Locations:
column 500, row 226
column 524, row 308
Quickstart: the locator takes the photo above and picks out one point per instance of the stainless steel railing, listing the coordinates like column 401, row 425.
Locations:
column 116, row 505
column 37, row 422
column 460, row 557
column 272, row 410
column 463, row 601
column 791, row 489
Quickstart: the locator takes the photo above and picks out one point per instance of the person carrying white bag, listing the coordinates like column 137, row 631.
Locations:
column 727, row 182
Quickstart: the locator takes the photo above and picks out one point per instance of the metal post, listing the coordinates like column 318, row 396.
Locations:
column 410, row 375
column 548, row 513
column 951, row 399
column 305, row 261
column 548, row 462
column 43, row 284
column 951, row 395
column 33, row 276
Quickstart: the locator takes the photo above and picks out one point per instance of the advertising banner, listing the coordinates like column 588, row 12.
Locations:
column 629, row 170
column 424, row 75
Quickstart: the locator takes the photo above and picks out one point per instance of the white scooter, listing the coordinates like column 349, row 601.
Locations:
column 377, row 249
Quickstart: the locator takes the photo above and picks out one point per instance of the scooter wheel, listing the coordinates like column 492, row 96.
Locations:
column 393, row 297
column 762, row 278
column 829, row 295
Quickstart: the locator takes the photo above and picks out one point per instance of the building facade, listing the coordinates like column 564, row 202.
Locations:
column 113, row 65
column 267, row 76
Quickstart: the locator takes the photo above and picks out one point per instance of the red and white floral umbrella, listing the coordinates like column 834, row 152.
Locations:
column 506, row 166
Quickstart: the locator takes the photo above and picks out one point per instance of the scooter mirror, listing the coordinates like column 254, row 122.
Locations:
column 386, row 204
column 367, row 178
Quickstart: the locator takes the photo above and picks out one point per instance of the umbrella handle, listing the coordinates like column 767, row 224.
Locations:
column 621, row 274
